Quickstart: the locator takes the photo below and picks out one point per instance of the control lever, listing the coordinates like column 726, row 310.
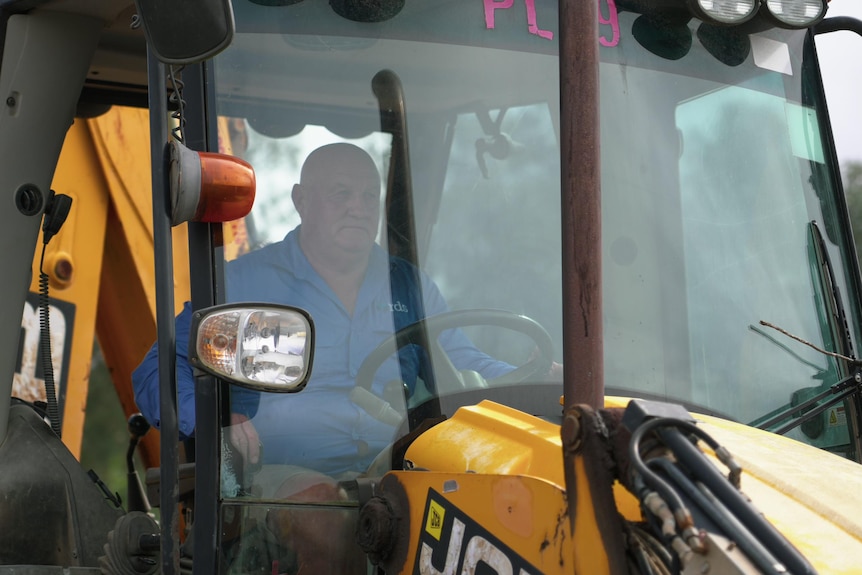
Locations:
column 136, row 497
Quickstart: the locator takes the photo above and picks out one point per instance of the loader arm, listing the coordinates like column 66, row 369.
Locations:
column 101, row 264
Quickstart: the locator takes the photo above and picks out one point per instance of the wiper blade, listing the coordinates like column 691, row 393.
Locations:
column 835, row 303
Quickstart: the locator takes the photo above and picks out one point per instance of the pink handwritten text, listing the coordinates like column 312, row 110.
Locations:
column 612, row 20
column 492, row 6
column 607, row 17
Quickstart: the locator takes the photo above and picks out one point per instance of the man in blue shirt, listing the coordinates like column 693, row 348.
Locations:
column 357, row 296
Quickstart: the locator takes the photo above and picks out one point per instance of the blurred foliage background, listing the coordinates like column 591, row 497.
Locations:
column 106, row 434
column 852, row 173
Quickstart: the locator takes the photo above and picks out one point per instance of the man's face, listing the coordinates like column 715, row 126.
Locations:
column 340, row 206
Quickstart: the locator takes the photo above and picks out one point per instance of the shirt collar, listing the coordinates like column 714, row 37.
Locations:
column 297, row 262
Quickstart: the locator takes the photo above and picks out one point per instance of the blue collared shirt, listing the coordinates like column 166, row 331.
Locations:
column 320, row 427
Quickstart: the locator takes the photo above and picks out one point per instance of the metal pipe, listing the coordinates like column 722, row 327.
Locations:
column 207, row 289
column 838, row 23
column 580, row 164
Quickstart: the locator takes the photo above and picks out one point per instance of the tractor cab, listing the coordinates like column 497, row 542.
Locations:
column 729, row 282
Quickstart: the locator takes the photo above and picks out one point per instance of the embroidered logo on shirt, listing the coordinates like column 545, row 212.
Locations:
column 398, row 306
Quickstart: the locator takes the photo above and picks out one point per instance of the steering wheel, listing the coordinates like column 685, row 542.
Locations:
column 444, row 371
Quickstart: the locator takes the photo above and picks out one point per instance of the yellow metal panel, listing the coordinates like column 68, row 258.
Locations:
column 588, row 553
column 505, row 470
column 127, row 303
column 492, row 438
column 101, row 262
column 802, row 490
column 813, row 497
column 232, row 138
column 495, row 439
column 511, row 521
column 122, row 143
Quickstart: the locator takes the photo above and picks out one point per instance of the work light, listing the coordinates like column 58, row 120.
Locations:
column 796, row 13
column 725, row 11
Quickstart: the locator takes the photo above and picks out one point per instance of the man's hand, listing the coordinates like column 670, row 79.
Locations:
column 243, row 438
column 555, row 372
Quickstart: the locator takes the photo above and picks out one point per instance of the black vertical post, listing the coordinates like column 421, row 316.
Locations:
column 163, row 255
column 201, row 133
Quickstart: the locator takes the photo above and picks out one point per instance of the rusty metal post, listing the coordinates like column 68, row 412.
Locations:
column 581, row 203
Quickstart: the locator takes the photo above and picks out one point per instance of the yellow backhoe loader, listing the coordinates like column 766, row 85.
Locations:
column 609, row 321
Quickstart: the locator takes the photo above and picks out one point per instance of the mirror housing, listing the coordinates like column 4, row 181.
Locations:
column 265, row 347
column 186, row 32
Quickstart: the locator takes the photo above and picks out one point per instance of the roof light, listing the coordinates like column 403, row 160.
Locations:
column 209, row 187
column 797, row 13
column 725, row 11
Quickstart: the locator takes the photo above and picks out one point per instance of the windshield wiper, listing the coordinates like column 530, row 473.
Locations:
column 840, row 391
column 846, row 387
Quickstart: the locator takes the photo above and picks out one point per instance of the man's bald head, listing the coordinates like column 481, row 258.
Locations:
column 322, row 161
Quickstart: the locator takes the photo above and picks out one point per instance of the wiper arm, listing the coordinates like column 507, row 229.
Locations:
column 784, row 348
column 840, row 391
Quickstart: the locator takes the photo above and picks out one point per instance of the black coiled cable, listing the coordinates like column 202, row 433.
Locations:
column 45, row 348
column 177, row 102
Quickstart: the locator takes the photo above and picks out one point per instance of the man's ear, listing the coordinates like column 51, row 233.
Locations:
column 298, row 197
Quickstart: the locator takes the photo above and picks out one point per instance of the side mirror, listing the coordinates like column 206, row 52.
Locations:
column 188, row 31
column 264, row 347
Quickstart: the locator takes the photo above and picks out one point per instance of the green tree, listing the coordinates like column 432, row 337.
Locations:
column 852, row 173
column 106, row 435
column 106, row 432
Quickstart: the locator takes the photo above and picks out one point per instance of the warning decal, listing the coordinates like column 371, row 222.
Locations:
column 837, row 417
column 453, row 543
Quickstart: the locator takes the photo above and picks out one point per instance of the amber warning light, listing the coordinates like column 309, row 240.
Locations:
column 208, row 187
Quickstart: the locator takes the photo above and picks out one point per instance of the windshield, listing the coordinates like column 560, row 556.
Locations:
column 717, row 202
